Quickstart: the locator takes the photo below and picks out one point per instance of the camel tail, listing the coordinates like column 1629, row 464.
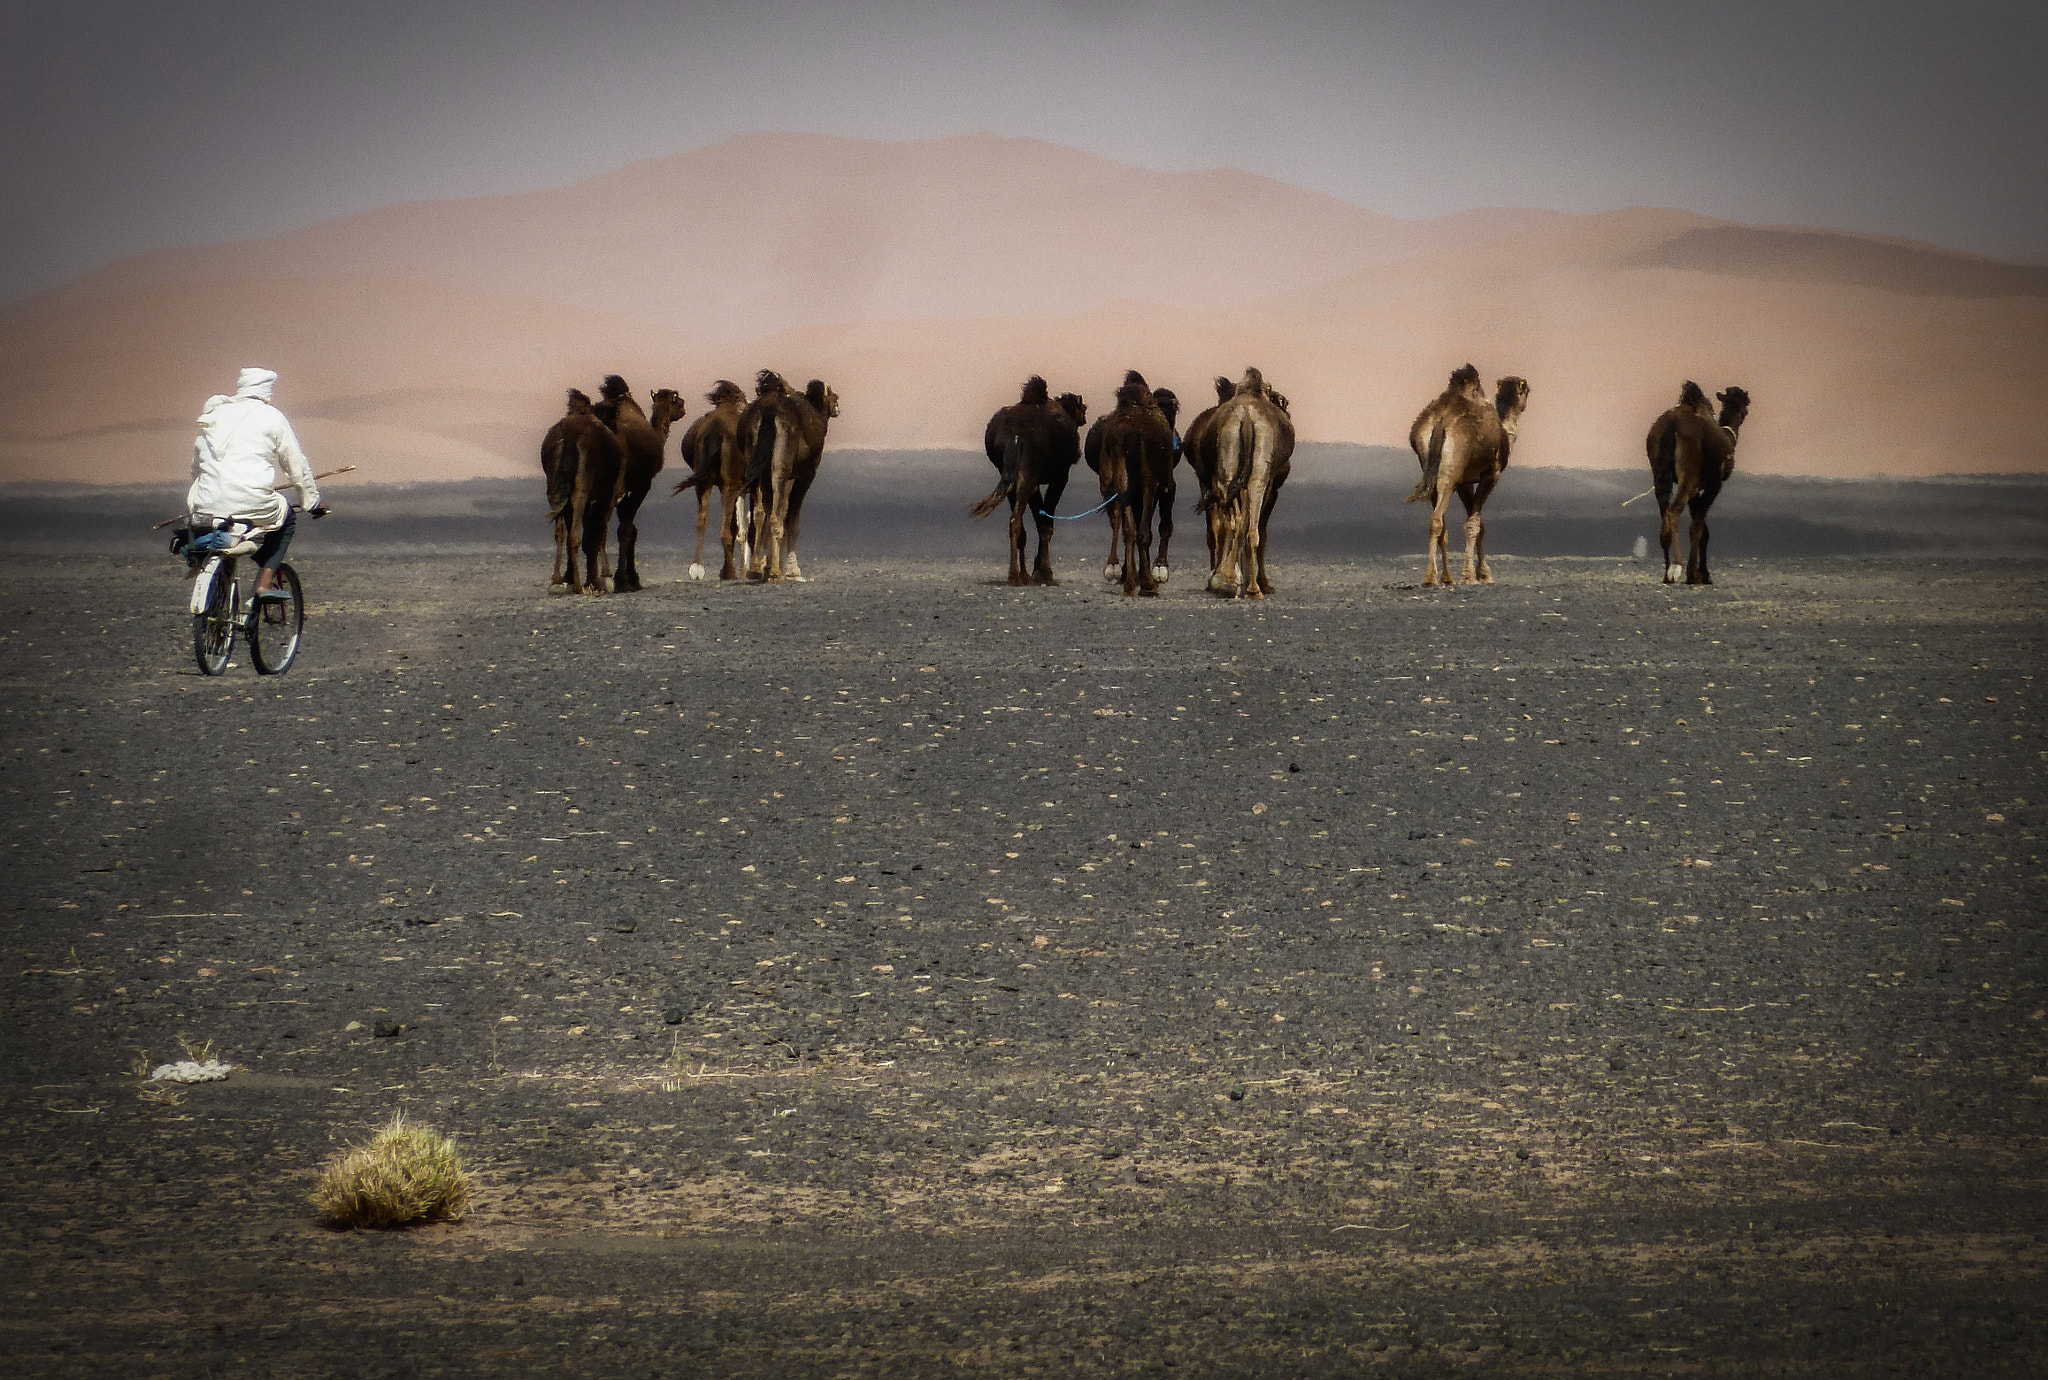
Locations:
column 1432, row 461
column 562, row 483
column 1013, row 466
column 762, row 464
column 1247, row 448
column 1664, row 465
column 710, row 465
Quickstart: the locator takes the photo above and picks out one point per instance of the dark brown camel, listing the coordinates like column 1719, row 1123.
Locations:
column 783, row 436
column 642, row 439
column 711, row 448
column 560, row 480
column 1692, row 454
column 1464, row 452
column 1033, row 444
column 1131, row 451
column 1112, row 565
column 1253, row 444
column 583, row 487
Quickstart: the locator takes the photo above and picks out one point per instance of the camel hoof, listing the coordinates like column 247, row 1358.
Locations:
column 696, row 570
column 1160, row 572
column 1673, row 574
column 1112, row 571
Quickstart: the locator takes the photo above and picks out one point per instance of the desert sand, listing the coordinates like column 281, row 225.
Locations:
column 905, row 974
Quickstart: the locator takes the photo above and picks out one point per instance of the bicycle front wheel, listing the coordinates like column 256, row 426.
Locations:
column 213, row 629
column 275, row 623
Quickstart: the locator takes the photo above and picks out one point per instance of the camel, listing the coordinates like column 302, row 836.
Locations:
column 783, row 435
column 711, row 448
column 1464, row 389
column 1692, row 454
column 1033, row 444
column 559, row 479
column 1463, row 452
column 582, row 487
column 1198, row 444
column 642, row 440
column 1131, row 452
column 1252, row 440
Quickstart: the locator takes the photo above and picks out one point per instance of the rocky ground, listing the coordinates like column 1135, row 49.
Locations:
column 904, row 974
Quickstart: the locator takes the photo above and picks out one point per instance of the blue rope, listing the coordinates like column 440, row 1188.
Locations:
column 1074, row 517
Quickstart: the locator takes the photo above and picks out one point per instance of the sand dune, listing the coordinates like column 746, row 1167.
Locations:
column 924, row 280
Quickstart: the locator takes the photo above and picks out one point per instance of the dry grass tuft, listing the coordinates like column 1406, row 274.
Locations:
column 407, row 1173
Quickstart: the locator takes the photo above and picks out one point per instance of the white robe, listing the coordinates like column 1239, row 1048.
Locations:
column 245, row 453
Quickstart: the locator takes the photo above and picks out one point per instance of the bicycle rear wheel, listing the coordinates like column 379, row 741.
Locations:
column 213, row 630
column 275, row 625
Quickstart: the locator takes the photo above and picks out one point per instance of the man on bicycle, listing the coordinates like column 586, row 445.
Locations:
column 245, row 446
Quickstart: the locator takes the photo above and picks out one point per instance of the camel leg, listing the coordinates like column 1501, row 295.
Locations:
column 1696, row 559
column 1265, row 518
column 1148, row 583
column 703, row 511
column 734, row 522
column 1439, row 546
column 1162, row 569
column 1668, row 536
column 1019, row 540
column 1112, row 567
column 1041, row 569
column 562, row 549
column 629, row 545
column 778, row 524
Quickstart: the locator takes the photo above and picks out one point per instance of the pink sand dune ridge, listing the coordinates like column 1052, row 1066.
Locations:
column 925, row 279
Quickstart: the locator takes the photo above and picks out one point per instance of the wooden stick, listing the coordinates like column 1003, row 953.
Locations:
column 324, row 474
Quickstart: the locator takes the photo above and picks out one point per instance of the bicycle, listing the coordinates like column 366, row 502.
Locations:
column 275, row 620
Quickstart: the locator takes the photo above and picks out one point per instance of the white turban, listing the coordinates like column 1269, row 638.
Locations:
column 255, row 383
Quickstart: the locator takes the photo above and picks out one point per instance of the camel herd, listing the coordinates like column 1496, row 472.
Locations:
column 761, row 455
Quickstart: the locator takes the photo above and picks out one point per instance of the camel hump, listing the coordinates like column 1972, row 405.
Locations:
column 1225, row 389
column 1035, row 393
column 724, row 391
column 1692, row 395
column 767, row 382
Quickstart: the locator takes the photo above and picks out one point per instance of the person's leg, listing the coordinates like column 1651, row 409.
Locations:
column 270, row 555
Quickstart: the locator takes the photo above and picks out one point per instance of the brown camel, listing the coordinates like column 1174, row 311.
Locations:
column 1113, row 563
column 1131, row 452
column 1464, row 389
column 711, row 448
column 1464, row 453
column 560, row 480
column 1692, row 454
column 583, row 486
column 1253, row 443
column 1033, row 444
column 1198, row 444
column 783, row 435
column 642, row 439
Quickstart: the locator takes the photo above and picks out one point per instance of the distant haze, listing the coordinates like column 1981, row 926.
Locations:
column 925, row 279
column 135, row 125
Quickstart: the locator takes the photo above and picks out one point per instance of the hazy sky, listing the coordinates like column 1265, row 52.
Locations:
column 136, row 124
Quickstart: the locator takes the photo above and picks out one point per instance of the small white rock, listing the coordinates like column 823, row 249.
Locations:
column 191, row 1071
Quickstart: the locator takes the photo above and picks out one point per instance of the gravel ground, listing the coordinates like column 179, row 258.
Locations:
column 903, row 974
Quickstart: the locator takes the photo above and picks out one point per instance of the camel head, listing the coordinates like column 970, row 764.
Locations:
column 1734, row 406
column 1134, row 391
column 725, row 393
column 613, row 388
column 1074, row 407
column 1277, row 398
column 1693, row 396
column 1225, row 389
column 1035, row 393
column 822, row 398
column 579, row 401
column 1168, row 403
column 668, row 406
column 768, row 382
column 1510, row 396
